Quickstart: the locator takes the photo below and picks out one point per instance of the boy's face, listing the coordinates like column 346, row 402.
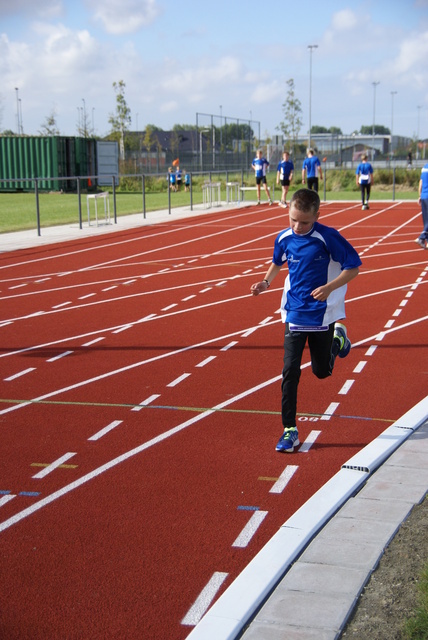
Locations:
column 301, row 222
column 285, row 156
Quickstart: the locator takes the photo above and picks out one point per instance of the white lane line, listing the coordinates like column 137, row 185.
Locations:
column 397, row 313
column 145, row 402
column 171, row 306
column 250, row 529
column 229, row 346
column 63, row 304
column 5, row 324
column 106, row 429
column 91, row 342
column 204, row 599
column 128, row 454
column 124, row 328
column 61, row 355
column 284, row 478
column 21, row 373
column 370, row 351
column 206, row 361
column 110, row 288
column 88, row 295
column 360, row 366
column 389, row 324
column 53, row 466
column 404, row 302
column 309, row 441
column 189, row 298
column 266, row 320
column 330, row 411
column 129, row 281
column 205, row 290
column 177, row 381
column 6, row 499
column 18, row 286
column 249, row 332
column 344, row 390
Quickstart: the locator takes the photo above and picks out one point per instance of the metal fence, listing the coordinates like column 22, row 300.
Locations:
column 142, row 184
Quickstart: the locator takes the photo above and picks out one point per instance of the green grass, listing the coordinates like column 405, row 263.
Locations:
column 416, row 627
column 18, row 210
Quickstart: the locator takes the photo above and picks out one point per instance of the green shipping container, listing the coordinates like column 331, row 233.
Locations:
column 51, row 159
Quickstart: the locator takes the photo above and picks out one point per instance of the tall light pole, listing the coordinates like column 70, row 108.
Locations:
column 417, row 138
column 18, row 121
column 374, row 113
column 393, row 93
column 310, row 47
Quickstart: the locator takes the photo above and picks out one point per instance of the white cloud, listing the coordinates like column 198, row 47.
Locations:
column 268, row 91
column 120, row 17
column 41, row 8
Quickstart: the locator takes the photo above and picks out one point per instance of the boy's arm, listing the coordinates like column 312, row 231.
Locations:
column 262, row 286
column 345, row 276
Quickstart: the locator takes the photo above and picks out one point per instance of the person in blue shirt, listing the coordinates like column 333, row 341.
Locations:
column 320, row 262
column 186, row 181
column 284, row 174
column 172, row 179
column 311, row 170
column 260, row 166
column 178, row 178
column 423, row 201
column 364, row 178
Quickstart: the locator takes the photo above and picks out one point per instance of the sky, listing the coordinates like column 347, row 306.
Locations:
column 230, row 59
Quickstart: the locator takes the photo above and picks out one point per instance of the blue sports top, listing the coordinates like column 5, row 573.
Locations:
column 311, row 165
column 424, row 178
column 285, row 168
column 260, row 165
column 364, row 170
column 313, row 260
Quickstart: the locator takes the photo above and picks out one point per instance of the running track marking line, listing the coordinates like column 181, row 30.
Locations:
column 182, row 350
column 125, row 456
column 164, row 436
column 284, row 478
column 309, row 441
column 53, row 466
column 21, row 373
column 250, row 529
column 106, row 429
column 204, row 599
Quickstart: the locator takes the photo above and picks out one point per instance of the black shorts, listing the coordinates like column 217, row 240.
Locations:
column 261, row 180
column 313, row 184
column 285, row 182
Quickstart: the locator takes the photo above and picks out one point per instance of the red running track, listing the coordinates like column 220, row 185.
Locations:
column 140, row 411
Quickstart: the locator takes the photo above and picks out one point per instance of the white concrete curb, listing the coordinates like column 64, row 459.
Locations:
column 233, row 610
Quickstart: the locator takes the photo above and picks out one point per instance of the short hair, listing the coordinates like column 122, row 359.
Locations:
column 364, row 156
column 286, row 151
column 311, row 151
column 306, row 200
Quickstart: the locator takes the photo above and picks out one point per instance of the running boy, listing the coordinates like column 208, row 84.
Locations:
column 284, row 174
column 320, row 264
column 312, row 169
column 364, row 178
column 260, row 165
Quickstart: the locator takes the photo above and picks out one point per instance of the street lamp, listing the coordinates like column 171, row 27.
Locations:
column 310, row 47
column 393, row 93
column 417, row 139
column 374, row 113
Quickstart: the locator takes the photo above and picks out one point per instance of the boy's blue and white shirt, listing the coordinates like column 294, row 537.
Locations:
column 424, row 178
column 285, row 167
column 364, row 170
column 260, row 166
column 313, row 260
column 312, row 164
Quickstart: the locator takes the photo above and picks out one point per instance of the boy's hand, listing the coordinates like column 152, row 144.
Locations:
column 260, row 287
column 321, row 293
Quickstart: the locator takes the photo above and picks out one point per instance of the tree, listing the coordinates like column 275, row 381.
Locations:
column 49, row 127
column 121, row 119
column 292, row 108
column 379, row 130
